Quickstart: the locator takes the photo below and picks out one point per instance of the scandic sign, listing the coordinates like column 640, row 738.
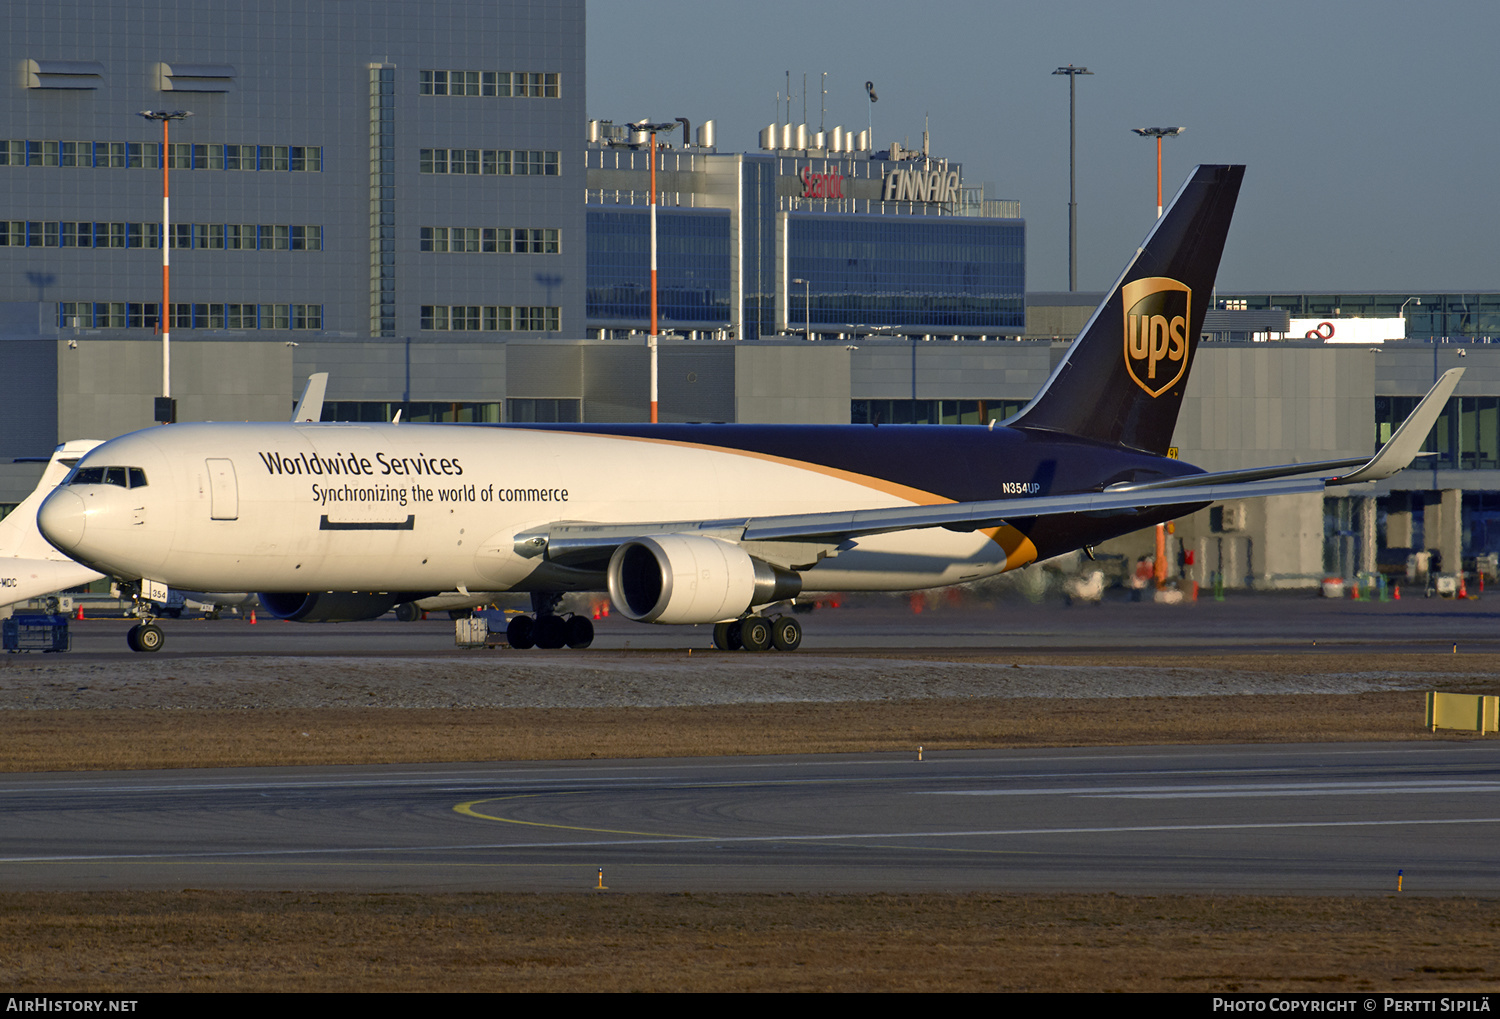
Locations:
column 822, row 185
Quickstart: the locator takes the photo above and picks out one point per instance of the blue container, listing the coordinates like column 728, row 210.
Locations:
column 35, row 633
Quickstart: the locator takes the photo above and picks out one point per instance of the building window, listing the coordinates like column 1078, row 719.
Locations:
column 489, row 318
column 273, row 157
column 217, row 236
column 564, row 410
column 501, row 84
column 441, row 411
column 931, row 412
column 504, row 162
column 76, row 154
column 490, row 240
column 122, row 315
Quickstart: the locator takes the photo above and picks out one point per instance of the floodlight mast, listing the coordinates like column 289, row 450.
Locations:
column 163, row 317
column 1072, row 73
column 1158, row 133
column 652, row 129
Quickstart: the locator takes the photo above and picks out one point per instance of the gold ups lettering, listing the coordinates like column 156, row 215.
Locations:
column 1157, row 312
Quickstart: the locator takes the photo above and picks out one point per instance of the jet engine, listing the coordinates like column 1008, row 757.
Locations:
column 331, row 606
column 682, row 578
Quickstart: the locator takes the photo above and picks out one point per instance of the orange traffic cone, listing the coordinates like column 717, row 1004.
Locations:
column 252, row 617
column 1463, row 589
column 1395, row 592
column 79, row 615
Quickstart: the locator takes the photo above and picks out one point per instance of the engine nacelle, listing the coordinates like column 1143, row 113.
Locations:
column 330, row 606
column 683, row 578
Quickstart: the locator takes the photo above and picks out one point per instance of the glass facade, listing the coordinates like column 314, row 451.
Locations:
column 940, row 273
column 1465, row 317
column 374, row 411
column 692, row 257
column 1466, row 436
column 758, row 246
column 931, row 412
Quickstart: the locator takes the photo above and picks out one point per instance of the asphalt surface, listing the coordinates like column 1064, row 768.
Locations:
column 1242, row 624
column 1276, row 819
column 1271, row 819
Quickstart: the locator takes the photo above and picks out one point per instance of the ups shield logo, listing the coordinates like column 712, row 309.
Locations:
column 1157, row 312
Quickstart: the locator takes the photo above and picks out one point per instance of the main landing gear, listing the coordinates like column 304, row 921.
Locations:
column 757, row 633
column 548, row 630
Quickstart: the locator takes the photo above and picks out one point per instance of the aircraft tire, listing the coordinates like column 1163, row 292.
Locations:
column 149, row 638
column 755, row 633
column 131, row 635
column 580, row 632
column 407, row 612
column 551, row 632
column 727, row 637
column 520, row 633
column 786, row 633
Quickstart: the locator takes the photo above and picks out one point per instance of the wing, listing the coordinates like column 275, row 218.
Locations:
column 796, row 541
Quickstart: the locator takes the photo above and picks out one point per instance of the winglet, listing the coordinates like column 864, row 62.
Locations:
column 310, row 407
column 1397, row 454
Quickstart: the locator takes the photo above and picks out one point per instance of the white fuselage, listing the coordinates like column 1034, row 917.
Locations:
column 326, row 507
column 29, row 566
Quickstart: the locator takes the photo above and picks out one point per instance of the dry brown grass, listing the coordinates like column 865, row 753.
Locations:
column 75, row 740
column 221, row 941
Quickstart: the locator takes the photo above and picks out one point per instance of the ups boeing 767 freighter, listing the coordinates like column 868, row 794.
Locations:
column 689, row 523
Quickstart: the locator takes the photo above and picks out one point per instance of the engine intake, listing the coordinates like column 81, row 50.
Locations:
column 330, row 606
column 681, row 578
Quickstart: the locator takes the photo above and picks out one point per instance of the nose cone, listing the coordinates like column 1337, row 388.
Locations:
column 61, row 520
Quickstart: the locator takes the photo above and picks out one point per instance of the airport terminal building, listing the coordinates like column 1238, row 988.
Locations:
column 409, row 196
column 816, row 235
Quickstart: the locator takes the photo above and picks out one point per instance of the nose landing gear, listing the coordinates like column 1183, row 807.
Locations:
column 145, row 635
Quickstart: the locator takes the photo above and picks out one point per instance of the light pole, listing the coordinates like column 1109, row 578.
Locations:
column 806, row 307
column 1158, row 133
column 1402, row 313
column 1072, row 73
column 166, row 409
column 652, row 130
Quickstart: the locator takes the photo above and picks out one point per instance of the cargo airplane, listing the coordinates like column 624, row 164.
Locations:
column 687, row 523
column 30, row 567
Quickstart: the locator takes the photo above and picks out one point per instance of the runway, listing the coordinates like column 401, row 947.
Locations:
column 1274, row 819
column 1244, row 624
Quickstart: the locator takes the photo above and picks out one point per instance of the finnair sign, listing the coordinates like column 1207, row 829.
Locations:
column 921, row 186
column 1347, row 330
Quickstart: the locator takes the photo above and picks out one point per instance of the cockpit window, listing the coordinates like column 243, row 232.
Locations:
column 125, row 477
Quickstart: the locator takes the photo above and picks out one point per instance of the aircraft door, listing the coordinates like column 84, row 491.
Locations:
column 223, row 490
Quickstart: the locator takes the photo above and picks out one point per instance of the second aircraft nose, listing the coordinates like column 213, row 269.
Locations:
column 62, row 518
